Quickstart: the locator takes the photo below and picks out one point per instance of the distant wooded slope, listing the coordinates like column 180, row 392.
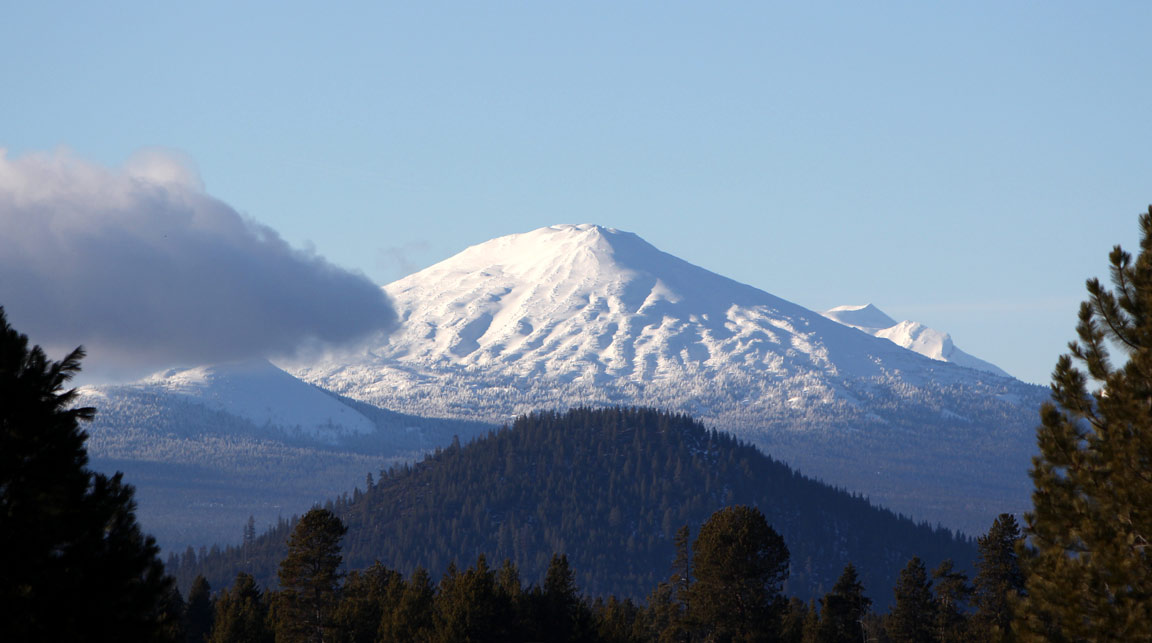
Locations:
column 609, row 488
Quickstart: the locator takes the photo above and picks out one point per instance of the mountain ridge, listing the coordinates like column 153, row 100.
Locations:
column 912, row 335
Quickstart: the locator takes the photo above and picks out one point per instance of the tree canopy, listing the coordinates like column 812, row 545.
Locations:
column 74, row 564
column 740, row 564
column 1088, row 568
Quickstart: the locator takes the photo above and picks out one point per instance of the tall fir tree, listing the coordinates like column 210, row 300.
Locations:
column 1088, row 567
column 952, row 595
column 309, row 577
column 740, row 564
column 199, row 612
column 999, row 581
column 792, row 623
column 560, row 614
column 619, row 621
column 468, row 607
column 843, row 609
column 74, row 564
column 679, row 627
column 411, row 619
column 241, row 614
column 364, row 598
column 913, row 615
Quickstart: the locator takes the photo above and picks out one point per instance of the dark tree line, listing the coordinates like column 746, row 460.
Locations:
column 726, row 584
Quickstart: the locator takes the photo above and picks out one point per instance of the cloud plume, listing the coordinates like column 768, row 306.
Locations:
column 147, row 270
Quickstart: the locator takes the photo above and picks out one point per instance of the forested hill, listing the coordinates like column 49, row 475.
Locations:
column 609, row 488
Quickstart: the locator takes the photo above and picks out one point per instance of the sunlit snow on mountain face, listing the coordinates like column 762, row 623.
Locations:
column 592, row 304
column 585, row 315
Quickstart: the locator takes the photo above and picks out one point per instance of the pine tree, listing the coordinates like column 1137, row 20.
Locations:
column 199, row 613
column 678, row 626
column 740, row 564
column 511, row 593
column 952, row 594
column 363, row 600
column 241, row 614
column 792, row 624
column 561, row 614
column 811, row 630
column 74, row 564
column 249, row 532
column 309, row 576
column 662, row 615
column 843, row 608
column 412, row 618
column 468, row 606
column 1088, row 568
column 172, row 619
column 913, row 615
column 999, row 581
column 619, row 621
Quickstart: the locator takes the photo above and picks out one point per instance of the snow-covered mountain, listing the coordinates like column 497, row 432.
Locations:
column 584, row 315
column 266, row 396
column 909, row 334
column 208, row 447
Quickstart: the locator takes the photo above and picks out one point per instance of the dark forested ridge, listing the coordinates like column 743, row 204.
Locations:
column 609, row 488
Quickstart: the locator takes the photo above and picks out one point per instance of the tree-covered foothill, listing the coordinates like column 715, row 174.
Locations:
column 1087, row 562
column 610, row 488
column 74, row 564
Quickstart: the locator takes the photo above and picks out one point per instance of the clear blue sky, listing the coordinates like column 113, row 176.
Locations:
column 967, row 166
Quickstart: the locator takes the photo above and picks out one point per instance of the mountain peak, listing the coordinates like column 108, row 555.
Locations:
column 866, row 317
column 582, row 227
column 571, row 301
column 585, row 247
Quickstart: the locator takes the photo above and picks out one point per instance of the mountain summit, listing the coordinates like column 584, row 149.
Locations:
column 588, row 304
column 582, row 315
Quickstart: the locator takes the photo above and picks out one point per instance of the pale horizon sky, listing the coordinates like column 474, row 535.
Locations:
column 965, row 166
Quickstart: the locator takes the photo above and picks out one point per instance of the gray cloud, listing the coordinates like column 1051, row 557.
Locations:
column 147, row 270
